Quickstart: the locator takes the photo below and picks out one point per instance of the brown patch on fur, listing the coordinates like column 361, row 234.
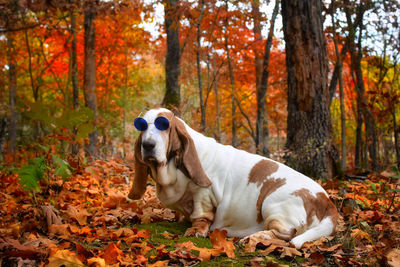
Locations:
column 320, row 206
column 259, row 175
column 262, row 170
column 181, row 147
column 269, row 186
column 141, row 172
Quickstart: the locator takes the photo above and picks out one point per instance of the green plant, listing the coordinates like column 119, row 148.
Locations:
column 34, row 172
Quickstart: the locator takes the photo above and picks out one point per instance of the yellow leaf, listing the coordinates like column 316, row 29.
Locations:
column 359, row 234
column 97, row 262
column 159, row 264
column 64, row 258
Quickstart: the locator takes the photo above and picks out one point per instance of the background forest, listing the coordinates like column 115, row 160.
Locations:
column 314, row 84
column 50, row 94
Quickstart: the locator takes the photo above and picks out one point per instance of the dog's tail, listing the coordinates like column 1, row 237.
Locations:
column 323, row 228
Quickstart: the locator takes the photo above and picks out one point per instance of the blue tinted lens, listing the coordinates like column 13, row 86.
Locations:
column 161, row 123
column 140, row 124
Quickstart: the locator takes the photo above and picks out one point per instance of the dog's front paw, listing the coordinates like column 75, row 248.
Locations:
column 196, row 231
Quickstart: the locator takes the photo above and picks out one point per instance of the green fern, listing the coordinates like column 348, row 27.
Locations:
column 63, row 169
column 31, row 174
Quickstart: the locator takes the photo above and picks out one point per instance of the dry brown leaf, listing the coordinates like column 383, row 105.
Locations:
column 393, row 257
column 52, row 215
column 316, row 258
column 79, row 214
column 64, row 258
column 254, row 241
column 290, row 252
column 58, row 229
column 96, row 262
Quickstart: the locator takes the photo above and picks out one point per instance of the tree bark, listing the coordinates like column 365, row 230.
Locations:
column 202, row 106
column 362, row 107
column 172, row 68
column 309, row 123
column 74, row 66
column 339, row 67
column 12, row 84
column 90, row 73
column 232, row 82
column 262, row 87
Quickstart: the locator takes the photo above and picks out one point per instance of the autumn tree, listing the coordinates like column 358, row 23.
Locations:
column 262, row 74
column 10, row 21
column 90, row 71
column 309, row 124
column 172, row 65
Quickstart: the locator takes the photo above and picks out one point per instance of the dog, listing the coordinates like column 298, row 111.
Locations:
column 217, row 186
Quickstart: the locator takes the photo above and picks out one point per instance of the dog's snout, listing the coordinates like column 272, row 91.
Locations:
column 148, row 145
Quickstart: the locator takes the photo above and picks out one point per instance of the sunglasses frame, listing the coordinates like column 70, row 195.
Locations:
column 161, row 123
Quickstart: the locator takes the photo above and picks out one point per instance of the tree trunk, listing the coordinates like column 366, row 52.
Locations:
column 396, row 137
column 339, row 67
column 362, row 107
column 74, row 66
column 262, row 86
column 12, row 83
column 74, row 74
column 90, row 73
column 202, row 106
column 335, row 75
column 309, row 123
column 172, row 68
column 232, row 82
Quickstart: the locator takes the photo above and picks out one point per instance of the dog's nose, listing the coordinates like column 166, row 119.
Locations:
column 148, row 145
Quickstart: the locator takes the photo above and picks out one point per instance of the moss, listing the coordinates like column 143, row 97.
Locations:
column 171, row 233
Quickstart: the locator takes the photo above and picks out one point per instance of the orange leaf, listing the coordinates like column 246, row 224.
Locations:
column 219, row 241
column 79, row 215
column 64, row 258
column 112, row 254
column 159, row 264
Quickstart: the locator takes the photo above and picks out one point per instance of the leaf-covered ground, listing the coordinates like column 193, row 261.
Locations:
column 88, row 221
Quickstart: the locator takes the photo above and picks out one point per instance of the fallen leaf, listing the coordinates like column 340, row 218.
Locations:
column 359, row 234
column 80, row 215
column 290, row 252
column 58, row 229
column 52, row 215
column 393, row 257
column 252, row 243
column 64, row 258
column 219, row 241
column 112, row 254
column 316, row 258
column 96, row 262
column 159, row 264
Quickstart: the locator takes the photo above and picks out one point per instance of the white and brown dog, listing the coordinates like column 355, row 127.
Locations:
column 218, row 186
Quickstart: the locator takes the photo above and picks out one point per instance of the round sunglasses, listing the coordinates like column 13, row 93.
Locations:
column 161, row 124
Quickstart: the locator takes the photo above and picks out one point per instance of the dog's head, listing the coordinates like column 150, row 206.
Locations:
column 164, row 137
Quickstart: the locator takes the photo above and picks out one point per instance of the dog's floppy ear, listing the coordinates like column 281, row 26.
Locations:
column 141, row 173
column 182, row 147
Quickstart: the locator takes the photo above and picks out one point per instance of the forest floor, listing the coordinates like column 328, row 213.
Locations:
column 88, row 221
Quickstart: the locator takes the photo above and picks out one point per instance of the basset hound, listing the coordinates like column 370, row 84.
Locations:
column 219, row 186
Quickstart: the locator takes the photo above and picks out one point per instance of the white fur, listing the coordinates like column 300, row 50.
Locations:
column 231, row 195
